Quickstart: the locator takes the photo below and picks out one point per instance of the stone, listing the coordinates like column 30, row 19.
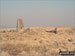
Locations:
column 20, row 24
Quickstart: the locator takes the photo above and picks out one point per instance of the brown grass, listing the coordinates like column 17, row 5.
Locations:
column 36, row 41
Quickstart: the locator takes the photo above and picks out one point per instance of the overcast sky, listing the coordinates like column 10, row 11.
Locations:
column 37, row 13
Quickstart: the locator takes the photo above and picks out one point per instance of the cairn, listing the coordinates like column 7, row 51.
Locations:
column 20, row 25
column 56, row 30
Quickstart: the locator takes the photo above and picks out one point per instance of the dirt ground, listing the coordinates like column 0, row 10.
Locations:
column 36, row 41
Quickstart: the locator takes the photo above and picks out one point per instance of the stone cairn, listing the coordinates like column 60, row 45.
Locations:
column 20, row 25
column 56, row 30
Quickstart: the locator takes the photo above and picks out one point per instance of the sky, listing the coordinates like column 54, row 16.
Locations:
column 37, row 13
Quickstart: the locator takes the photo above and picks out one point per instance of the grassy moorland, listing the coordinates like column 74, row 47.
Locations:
column 36, row 41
